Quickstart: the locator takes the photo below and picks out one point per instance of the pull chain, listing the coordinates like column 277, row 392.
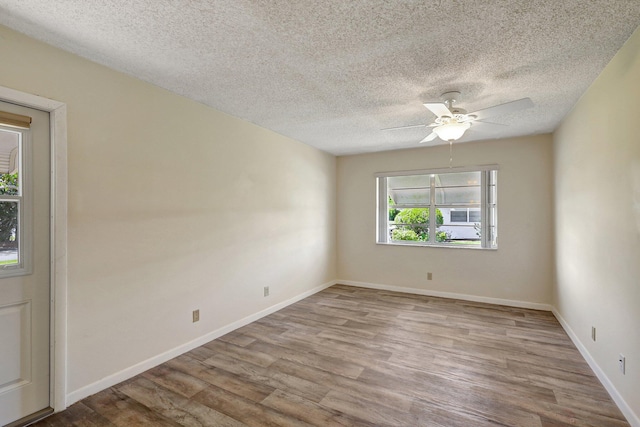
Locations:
column 450, row 153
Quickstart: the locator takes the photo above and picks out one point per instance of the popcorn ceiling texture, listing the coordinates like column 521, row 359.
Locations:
column 332, row 73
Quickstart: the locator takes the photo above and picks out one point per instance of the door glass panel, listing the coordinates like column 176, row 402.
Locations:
column 10, row 197
column 9, row 238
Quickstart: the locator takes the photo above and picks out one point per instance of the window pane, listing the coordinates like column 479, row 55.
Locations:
column 410, row 225
column 492, row 216
column 409, row 190
column 459, row 231
column 410, row 196
column 458, row 195
column 492, row 189
column 409, row 181
column 8, row 233
column 9, row 161
column 457, row 179
column 475, row 215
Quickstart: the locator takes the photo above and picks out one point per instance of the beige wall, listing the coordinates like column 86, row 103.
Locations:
column 173, row 206
column 521, row 268
column 597, row 154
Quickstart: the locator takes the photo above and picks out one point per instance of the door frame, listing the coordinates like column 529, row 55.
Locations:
column 58, row 230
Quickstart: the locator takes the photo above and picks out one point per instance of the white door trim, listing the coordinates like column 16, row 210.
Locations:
column 58, row 303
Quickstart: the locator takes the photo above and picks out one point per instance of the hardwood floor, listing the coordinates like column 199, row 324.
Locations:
column 359, row 357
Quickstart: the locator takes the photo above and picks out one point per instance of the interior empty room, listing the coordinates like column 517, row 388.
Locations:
column 251, row 213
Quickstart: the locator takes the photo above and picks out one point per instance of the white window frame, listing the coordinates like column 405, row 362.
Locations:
column 382, row 217
column 24, row 198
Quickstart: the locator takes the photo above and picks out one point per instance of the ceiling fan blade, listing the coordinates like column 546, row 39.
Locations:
column 429, row 137
column 488, row 125
column 404, row 127
column 507, row 107
column 438, row 108
column 482, row 126
column 484, row 122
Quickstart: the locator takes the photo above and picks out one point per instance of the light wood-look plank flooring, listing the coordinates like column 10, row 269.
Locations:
column 350, row 356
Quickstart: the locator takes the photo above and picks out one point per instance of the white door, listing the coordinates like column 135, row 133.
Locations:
column 25, row 168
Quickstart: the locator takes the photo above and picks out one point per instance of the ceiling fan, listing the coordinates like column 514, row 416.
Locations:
column 451, row 123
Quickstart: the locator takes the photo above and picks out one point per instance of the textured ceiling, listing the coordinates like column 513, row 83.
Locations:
column 332, row 73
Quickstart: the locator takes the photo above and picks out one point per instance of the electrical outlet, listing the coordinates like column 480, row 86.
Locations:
column 196, row 316
column 621, row 363
column 429, row 276
column 593, row 333
column 266, row 291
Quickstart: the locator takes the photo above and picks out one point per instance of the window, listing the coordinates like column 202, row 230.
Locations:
column 465, row 215
column 446, row 207
column 459, row 216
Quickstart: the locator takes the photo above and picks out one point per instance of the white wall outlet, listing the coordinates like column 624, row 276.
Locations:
column 196, row 316
column 429, row 276
column 593, row 333
column 621, row 363
column 266, row 291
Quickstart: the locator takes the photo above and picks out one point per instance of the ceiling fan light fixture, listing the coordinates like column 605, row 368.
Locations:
column 451, row 131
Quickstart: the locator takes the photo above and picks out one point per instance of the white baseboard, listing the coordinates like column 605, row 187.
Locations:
column 626, row 410
column 154, row 361
column 452, row 295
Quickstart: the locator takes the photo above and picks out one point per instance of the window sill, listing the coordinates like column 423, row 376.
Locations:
column 423, row 245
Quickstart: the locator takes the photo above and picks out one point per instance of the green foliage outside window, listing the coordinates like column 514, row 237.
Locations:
column 8, row 210
column 9, row 183
column 392, row 211
column 413, row 225
column 404, row 234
